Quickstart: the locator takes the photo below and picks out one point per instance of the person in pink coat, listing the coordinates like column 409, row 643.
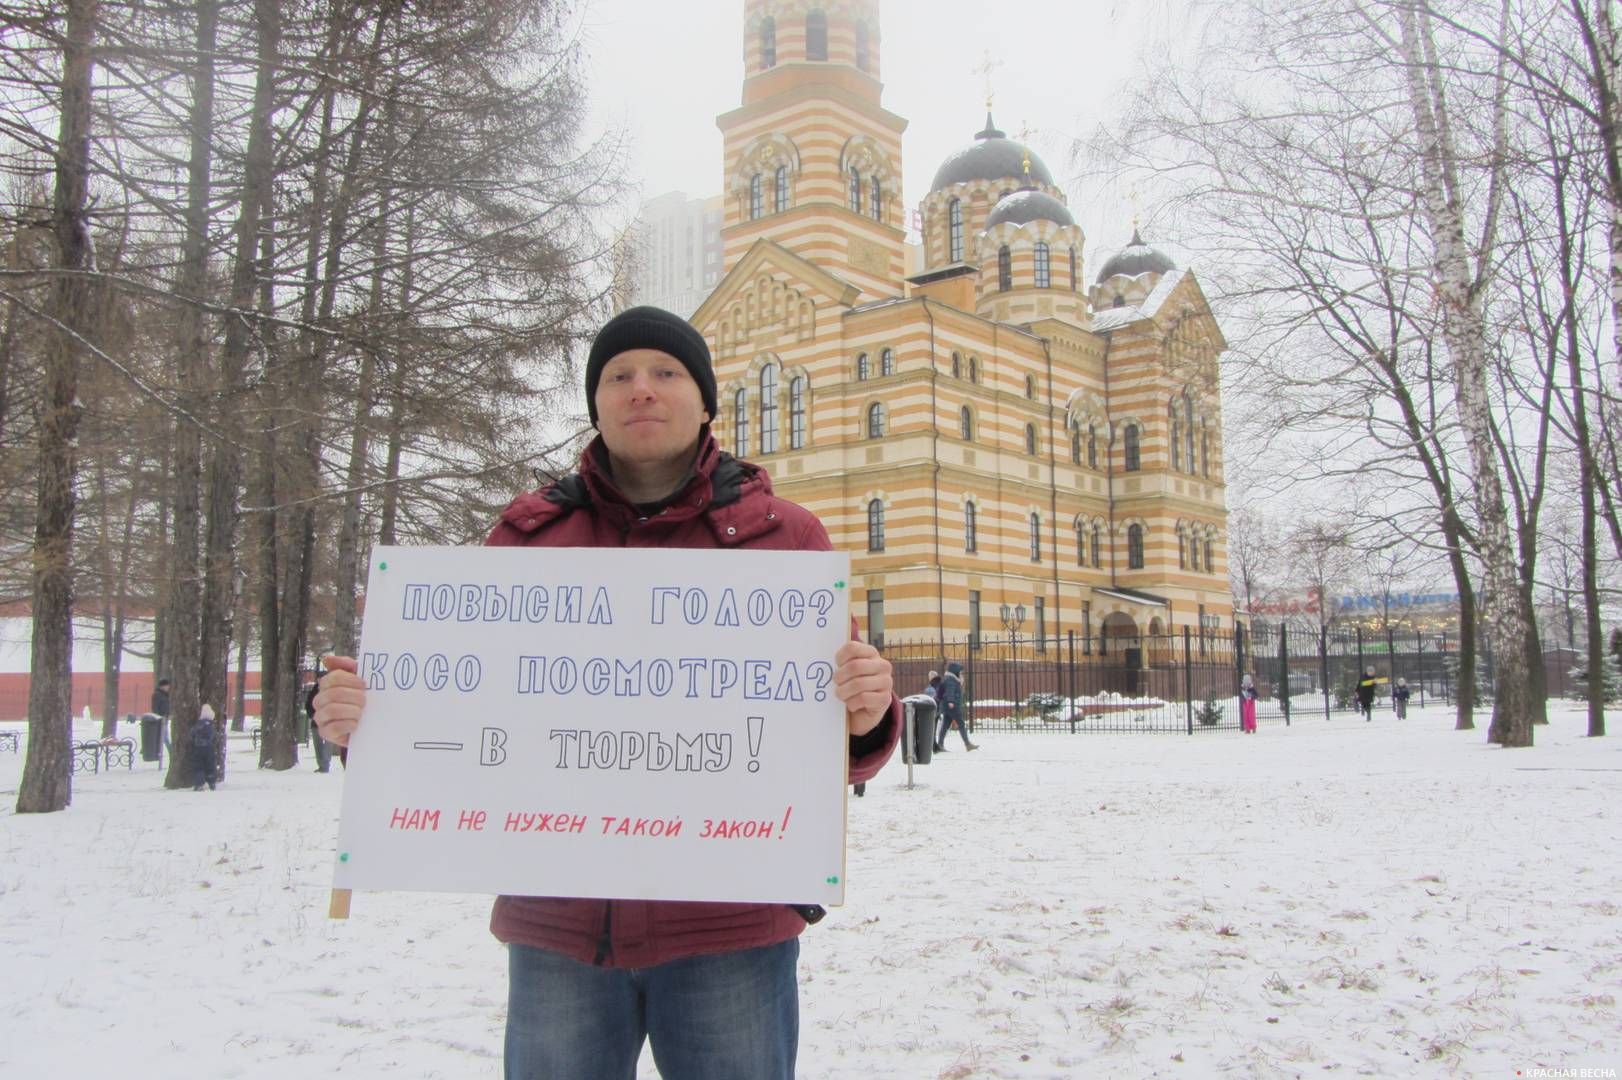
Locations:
column 1247, row 705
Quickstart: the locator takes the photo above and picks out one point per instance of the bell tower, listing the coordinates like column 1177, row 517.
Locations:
column 812, row 159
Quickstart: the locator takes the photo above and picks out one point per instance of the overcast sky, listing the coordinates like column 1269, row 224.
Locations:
column 664, row 69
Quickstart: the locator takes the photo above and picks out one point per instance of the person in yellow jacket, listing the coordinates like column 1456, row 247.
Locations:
column 1365, row 693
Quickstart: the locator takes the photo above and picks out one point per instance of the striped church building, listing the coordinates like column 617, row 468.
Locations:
column 997, row 429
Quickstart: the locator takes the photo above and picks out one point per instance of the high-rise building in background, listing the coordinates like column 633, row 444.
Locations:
column 674, row 250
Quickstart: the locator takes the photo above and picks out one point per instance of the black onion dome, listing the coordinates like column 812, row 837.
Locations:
column 992, row 156
column 1028, row 205
column 1134, row 259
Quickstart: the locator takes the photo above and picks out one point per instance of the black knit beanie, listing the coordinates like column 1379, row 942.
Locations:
column 651, row 328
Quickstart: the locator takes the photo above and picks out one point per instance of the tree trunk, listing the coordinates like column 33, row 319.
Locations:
column 47, row 780
column 345, row 632
column 221, row 591
column 297, row 524
column 1464, row 700
column 184, row 629
column 397, row 401
column 1459, row 299
column 114, row 616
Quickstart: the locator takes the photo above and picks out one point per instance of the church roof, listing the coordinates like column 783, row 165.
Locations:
column 1023, row 207
column 1134, row 259
column 1109, row 318
column 992, row 156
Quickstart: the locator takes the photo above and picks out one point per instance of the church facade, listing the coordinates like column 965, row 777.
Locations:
column 1000, row 441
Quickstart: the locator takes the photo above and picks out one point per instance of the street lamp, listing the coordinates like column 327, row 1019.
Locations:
column 1012, row 618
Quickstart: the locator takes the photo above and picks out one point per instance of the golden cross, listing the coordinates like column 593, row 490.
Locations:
column 1025, row 133
column 987, row 66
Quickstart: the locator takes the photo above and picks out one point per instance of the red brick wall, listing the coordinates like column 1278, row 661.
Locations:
column 134, row 694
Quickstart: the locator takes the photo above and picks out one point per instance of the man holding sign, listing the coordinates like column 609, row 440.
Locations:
column 712, row 986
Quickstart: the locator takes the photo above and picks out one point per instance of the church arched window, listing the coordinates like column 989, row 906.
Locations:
column 965, row 425
column 855, row 190
column 1044, row 273
column 1134, row 547
column 1005, row 269
column 954, row 231
column 875, row 421
column 816, row 36
column 796, row 413
column 957, row 366
column 780, row 190
column 1092, row 447
column 740, row 423
column 1175, row 439
column 1030, row 439
column 1188, row 431
column 1036, row 537
column 768, row 42
column 1075, row 280
column 971, row 541
column 755, row 198
column 1130, row 449
column 886, row 362
column 861, row 367
column 878, row 201
column 875, row 525
column 768, row 409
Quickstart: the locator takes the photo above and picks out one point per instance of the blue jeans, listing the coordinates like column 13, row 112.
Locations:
column 726, row 1016
column 323, row 751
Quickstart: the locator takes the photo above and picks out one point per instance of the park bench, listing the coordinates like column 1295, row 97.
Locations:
column 92, row 755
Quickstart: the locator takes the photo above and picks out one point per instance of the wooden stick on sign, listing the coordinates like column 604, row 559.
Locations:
column 338, row 904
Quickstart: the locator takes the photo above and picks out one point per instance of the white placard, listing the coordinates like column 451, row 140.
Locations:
column 631, row 723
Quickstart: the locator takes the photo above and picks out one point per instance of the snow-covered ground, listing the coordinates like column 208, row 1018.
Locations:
column 1384, row 899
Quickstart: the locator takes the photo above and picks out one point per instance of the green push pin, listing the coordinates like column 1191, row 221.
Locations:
column 839, row 584
column 833, row 879
column 343, row 856
column 382, row 566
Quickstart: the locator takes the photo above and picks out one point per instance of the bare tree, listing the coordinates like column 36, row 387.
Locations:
column 47, row 778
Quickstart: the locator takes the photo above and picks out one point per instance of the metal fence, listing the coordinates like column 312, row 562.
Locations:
column 1185, row 683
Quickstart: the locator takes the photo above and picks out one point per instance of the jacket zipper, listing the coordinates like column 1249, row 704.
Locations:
column 605, row 942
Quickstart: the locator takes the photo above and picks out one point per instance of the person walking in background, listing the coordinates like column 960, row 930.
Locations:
column 323, row 749
column 952, row 708
column 204, row 748
column 1365, row 694
column 1247, row 705
column 160, row 699
column 1399, row 698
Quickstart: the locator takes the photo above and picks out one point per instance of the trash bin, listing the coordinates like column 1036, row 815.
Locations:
column 921, row 710
column 151, row 737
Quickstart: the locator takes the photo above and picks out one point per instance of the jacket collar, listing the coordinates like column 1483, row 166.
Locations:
column 733, row 496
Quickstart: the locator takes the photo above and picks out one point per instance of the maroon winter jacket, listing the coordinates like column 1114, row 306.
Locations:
column 727, row 503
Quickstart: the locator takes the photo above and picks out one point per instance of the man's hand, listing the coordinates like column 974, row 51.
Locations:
column 862, row 681
column 340, row 701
